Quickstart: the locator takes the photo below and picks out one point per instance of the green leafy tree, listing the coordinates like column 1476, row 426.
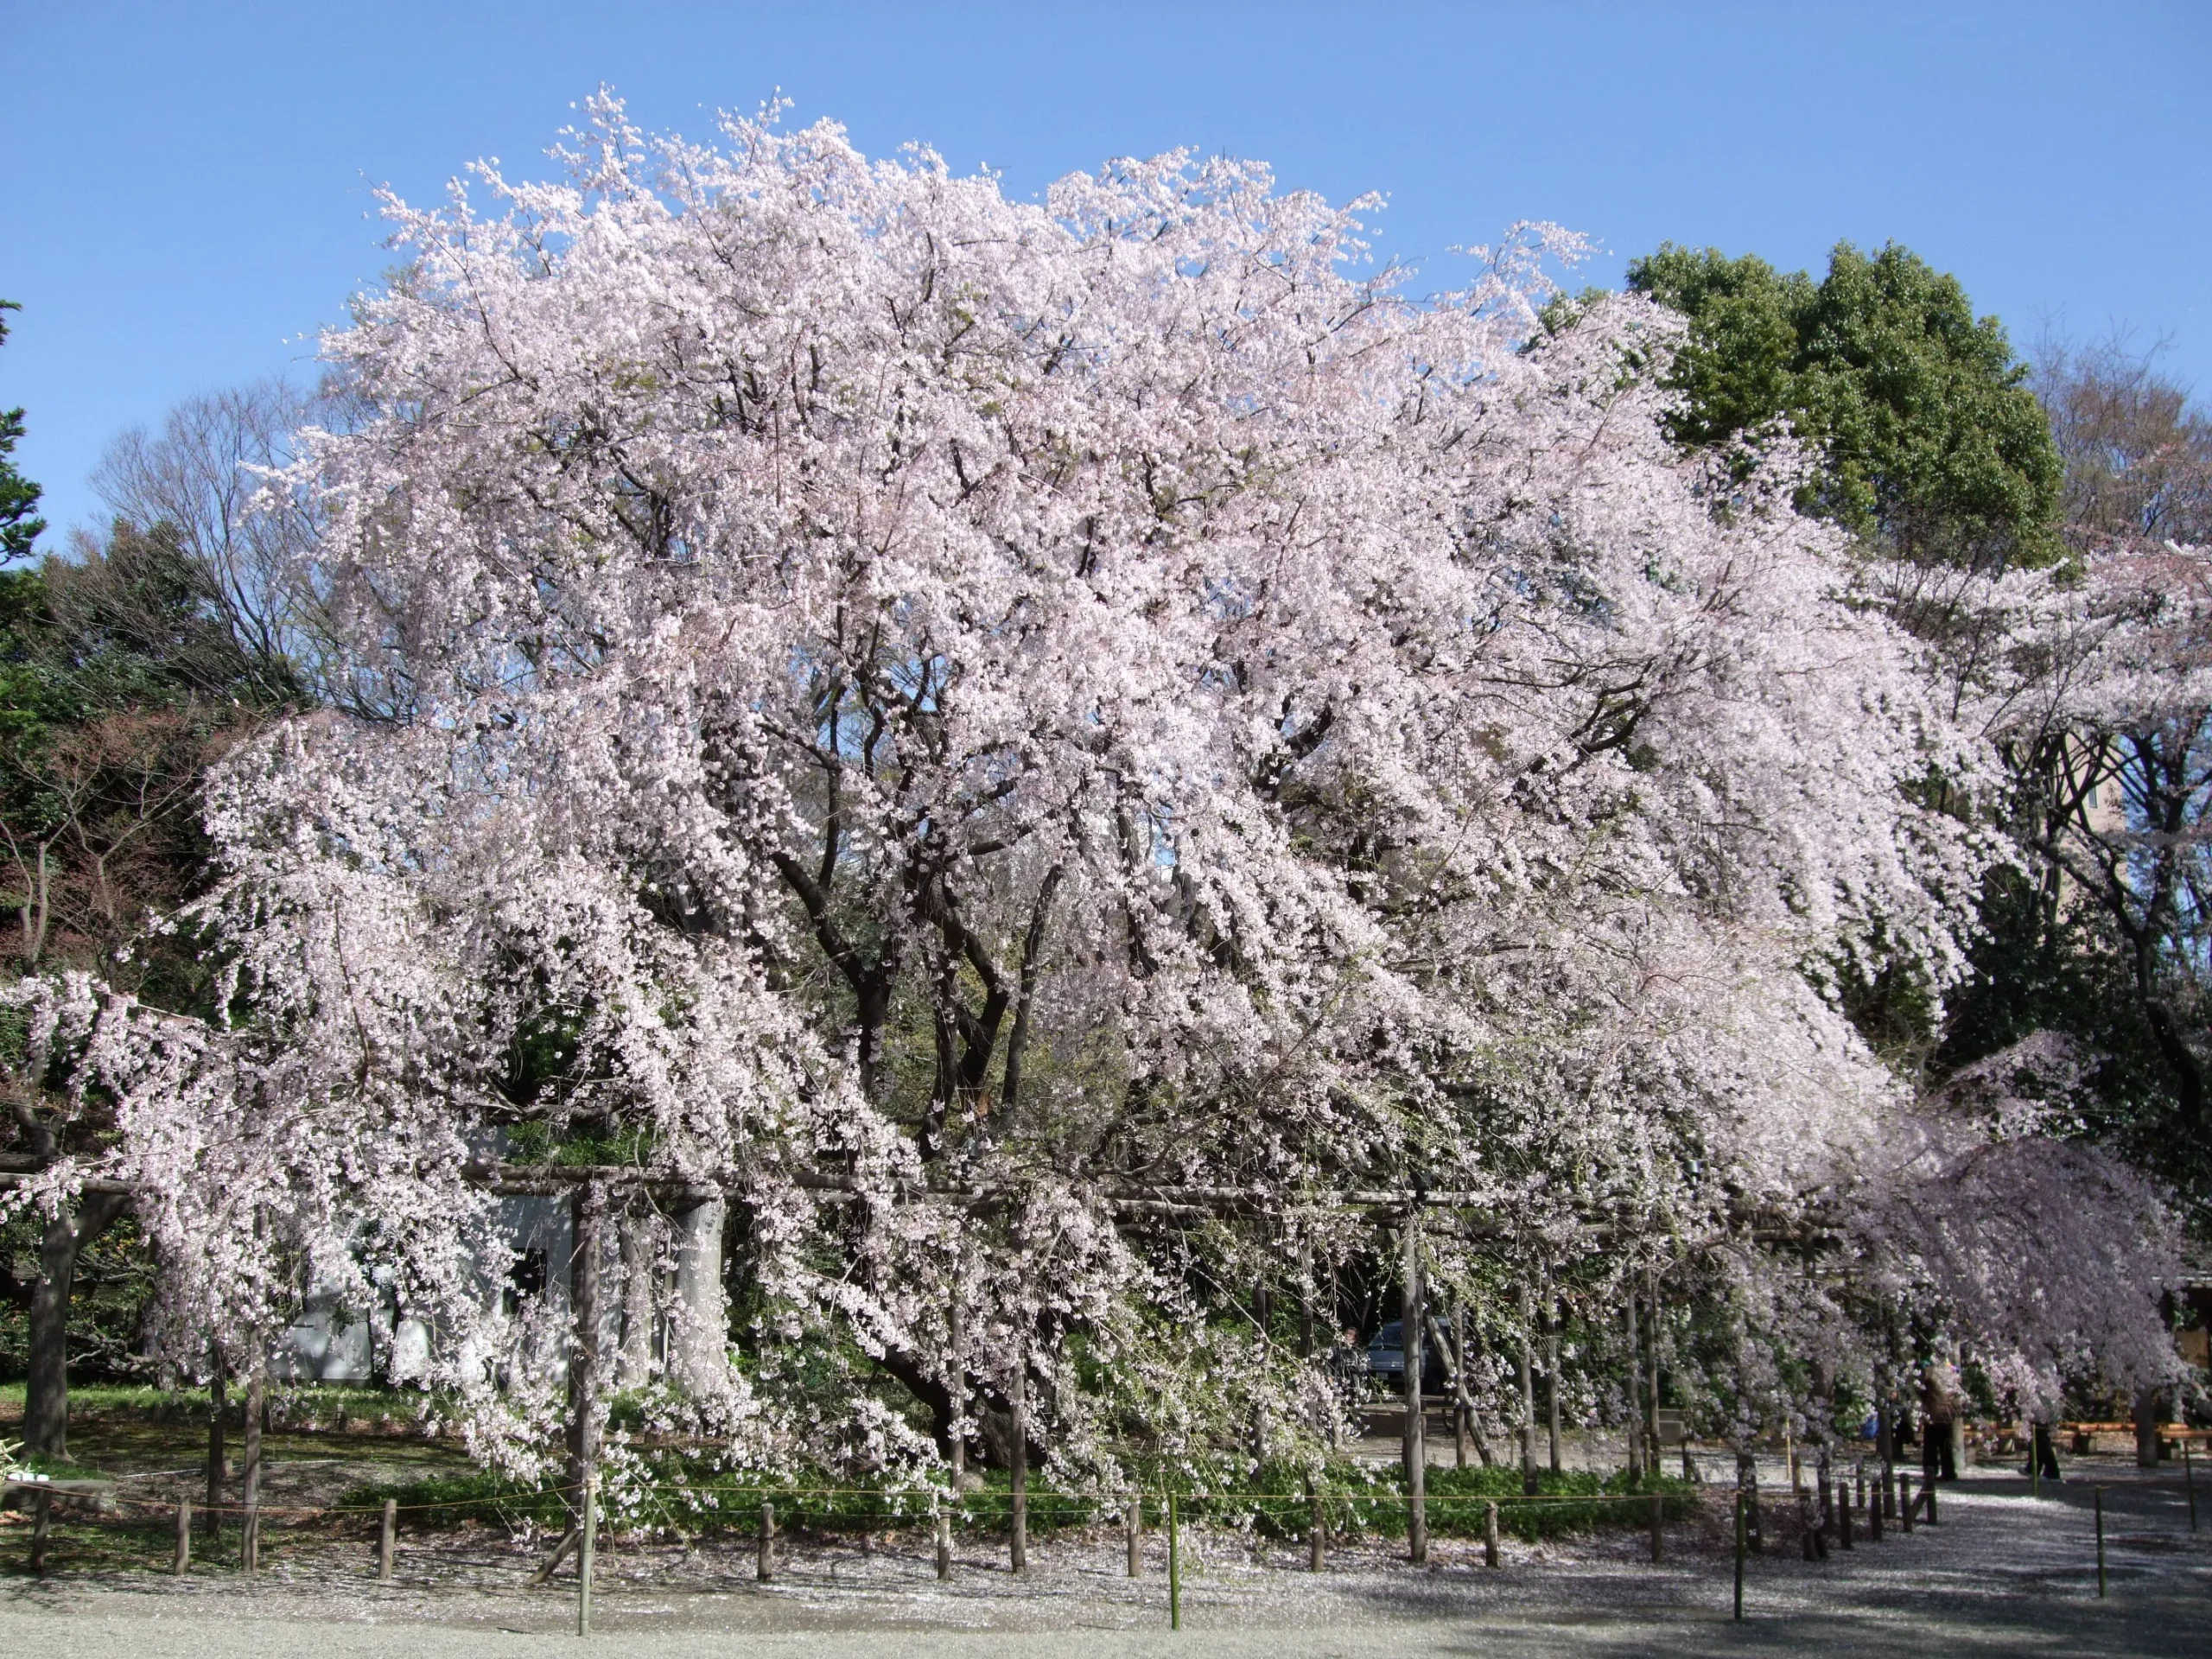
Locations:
column 19, row 524
column 1930, row 440
column 126, row 670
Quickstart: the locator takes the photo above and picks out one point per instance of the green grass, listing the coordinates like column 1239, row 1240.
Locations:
column 289, row 1402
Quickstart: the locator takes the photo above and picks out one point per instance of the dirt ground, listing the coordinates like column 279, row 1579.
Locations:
column 2004, row 1573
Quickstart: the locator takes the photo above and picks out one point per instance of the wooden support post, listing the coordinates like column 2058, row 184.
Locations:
column 1873, row 1511
column 218, row 1456
column 1018, row 1431
column 1133, row 1533
column 1658, row 1524
column 1551, row 1367
column 941, row 1524
column 1306, row 1299
column 1651, row 1396
column 764, row 1568
column 587, row 1216
column 1527, row 1393
column 586, row 1552
column 256, row 1395
column 1904, row 1502
column 1490, row 1534
column 1747, row 1489
column 2100, row 1498
column 387, row 1538
column 955, row 1388
column 41, row 1529
column 1317, row 1531
column 1634, row 1394
column 1741, row 1549
column 1843, row 1513
column 1928, row 1496
column 1463, row 1405
column 1174, row 1568
column 183, row 1562
column 1811, row 1532
column 1416, row 1448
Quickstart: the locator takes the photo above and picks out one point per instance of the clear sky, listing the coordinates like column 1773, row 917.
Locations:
column 185, row 187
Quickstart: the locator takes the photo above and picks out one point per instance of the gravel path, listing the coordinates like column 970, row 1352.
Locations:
column 2004, row 1574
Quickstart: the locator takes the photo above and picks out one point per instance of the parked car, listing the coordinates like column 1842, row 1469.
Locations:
column 1385, row 1360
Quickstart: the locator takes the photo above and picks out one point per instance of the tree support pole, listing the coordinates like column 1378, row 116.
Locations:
column 1416, row 1446
column 256, row 1397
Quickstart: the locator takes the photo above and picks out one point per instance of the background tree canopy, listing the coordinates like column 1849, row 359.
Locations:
column 19, row 527
column 1931, row 440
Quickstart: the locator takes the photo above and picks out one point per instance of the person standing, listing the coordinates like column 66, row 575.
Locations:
column 1939, row 1404
column 2042, row 1455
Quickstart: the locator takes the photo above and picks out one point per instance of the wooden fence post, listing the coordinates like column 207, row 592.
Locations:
column 2100, row 1497
column 1490, row 1534
column 1174, row 1569
column 183, row 1562
column 1658, row 1523
column 1133, row 1533
column 387, row 1539
column 764, row 1569
column 941, row 1524
column 1843, row 1513
column 1317, row 1531
column 587, row 1547
column 2188, row 1478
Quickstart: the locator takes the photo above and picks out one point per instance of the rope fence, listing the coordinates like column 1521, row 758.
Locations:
column 1837, row 1511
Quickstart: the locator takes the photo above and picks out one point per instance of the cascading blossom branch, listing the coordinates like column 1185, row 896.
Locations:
column 942, row 713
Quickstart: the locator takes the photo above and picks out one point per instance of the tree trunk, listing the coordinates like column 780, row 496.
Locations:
column 587, row 1213
column 46, row 1391
column 699, row 1345
column 640, row 1265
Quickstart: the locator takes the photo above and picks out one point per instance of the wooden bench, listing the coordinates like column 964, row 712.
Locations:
column 2171, row 1434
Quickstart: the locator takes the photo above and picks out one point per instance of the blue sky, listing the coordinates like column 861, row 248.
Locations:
column 186, row 187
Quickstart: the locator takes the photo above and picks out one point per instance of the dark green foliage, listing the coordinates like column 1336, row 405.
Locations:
column 1930, row 438
column 2042, row 965
column 113, row 1283
column 1360, row 1501
column 19, row 526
